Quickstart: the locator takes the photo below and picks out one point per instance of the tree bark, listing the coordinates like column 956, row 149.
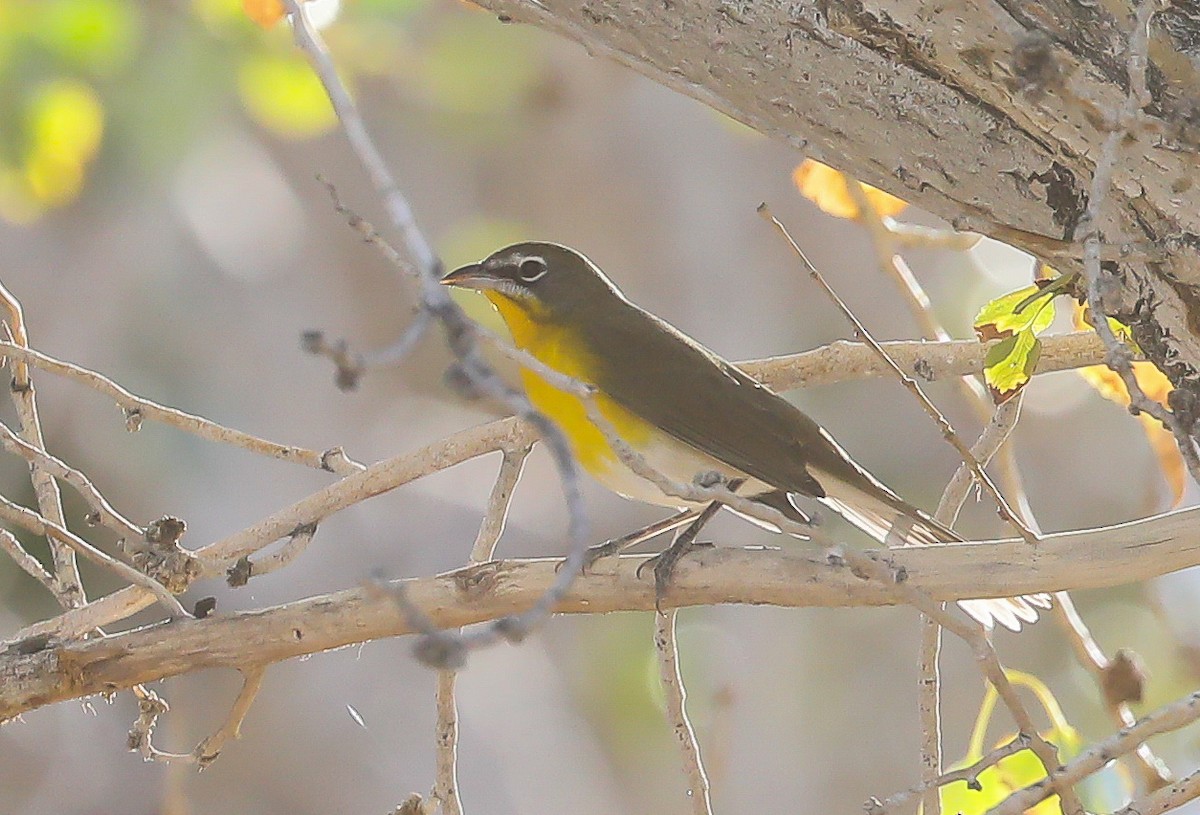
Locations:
column 988, row 113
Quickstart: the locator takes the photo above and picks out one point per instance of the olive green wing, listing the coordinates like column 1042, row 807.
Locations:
column 665, row 377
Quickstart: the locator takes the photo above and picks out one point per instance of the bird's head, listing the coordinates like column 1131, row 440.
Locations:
column 544, row 282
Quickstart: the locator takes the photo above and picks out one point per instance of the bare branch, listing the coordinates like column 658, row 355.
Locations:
column 333, row 460
column 1170, row 717
column 151, row 706
column 69, row 590
column 909, row 383
column 1103, row 287
column 1112, row 556
column 1152, row 773
column 1165, row 799
column 104, row 512
column 675, row 695
column 38, row 525
column 28, row 563
column 968, row 774
column 461, row 335
column 445, row 788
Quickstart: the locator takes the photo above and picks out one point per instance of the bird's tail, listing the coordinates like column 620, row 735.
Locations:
column 891, row 521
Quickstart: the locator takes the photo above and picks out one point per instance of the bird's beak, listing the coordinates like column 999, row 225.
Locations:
column 470, row 276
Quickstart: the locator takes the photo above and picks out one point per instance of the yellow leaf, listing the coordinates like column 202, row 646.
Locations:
column 264, row 12
column 826, row 187
column 65, row 127
column 1155, row 385
column 283, row 94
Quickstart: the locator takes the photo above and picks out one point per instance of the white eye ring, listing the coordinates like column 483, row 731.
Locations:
column 532, row 269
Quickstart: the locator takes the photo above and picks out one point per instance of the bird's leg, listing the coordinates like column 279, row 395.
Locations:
column 618, row 545
column 685, row 541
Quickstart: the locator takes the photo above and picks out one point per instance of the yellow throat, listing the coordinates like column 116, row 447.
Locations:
column 555, row 346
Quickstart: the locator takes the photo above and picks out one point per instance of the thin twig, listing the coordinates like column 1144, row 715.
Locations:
column 1165, row 799
column 69, row 585
column 990, row 442
column 151, row 706
column 989, row 663
column 101, row 509
column 915, row 236
column 909, row 383
column 137, row 408
column 28, row 563
column 39, row 525
column 460, row 334
column 676, row 696
column 1103, row 287
column 445, row 788
column 207, row 751
column 1151, row 772
column 674, row 691
column 1168, row 718
column 970, row 775
column 292, row 548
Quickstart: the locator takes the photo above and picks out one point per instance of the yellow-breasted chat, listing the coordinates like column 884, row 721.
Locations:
column 686, row 410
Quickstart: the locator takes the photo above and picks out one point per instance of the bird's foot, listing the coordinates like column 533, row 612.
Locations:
column 616, row 546
column 664, row 564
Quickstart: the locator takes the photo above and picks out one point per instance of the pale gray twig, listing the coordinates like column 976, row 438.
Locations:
column 676, row 696
column 1170, row 717
column 445, row 789
column 28, row 563
column 69, row 590
column 39, row 525
column 1102, row 287
column 1166, row 798
column 137, row 408
column 151, row 706
column 103, row 512
column 970, row 775
column 460, row 335
column 909, row 383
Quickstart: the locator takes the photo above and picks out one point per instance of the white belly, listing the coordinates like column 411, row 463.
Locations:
column 677, row 461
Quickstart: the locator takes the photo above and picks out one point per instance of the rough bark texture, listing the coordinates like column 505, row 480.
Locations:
column 989, row 113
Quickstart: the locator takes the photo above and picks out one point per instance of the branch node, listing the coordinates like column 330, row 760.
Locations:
column 442, row 651
column 1123, row 680
column 239, row 573
column 133, row 419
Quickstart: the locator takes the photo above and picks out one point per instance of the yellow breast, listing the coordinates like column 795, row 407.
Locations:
column 555, row 347
column 558, row 347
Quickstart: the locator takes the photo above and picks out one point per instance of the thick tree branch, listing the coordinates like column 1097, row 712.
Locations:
column 993, row 112
column 35, row 673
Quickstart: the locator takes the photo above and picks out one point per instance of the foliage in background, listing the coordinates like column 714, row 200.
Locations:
column 74, row 85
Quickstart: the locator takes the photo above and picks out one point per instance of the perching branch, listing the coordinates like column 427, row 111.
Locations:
column 34, row 673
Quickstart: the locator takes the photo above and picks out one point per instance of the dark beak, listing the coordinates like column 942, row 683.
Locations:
column 470, row 276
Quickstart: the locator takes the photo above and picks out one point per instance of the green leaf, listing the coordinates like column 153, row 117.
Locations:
column 1010, row 363
column 1030, row 308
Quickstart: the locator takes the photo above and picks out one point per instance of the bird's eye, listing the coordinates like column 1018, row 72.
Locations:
column 532, row 269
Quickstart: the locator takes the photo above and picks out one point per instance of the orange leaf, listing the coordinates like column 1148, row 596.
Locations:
column 826, row 187
column 264, row 12
column 1155, row 385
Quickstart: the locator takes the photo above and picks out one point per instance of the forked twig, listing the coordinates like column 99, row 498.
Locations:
column 69, row 590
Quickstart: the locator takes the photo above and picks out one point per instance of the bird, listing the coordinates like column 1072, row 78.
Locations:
column 688, row 412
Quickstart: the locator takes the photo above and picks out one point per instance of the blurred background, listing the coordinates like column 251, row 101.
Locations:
column 161, row 221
